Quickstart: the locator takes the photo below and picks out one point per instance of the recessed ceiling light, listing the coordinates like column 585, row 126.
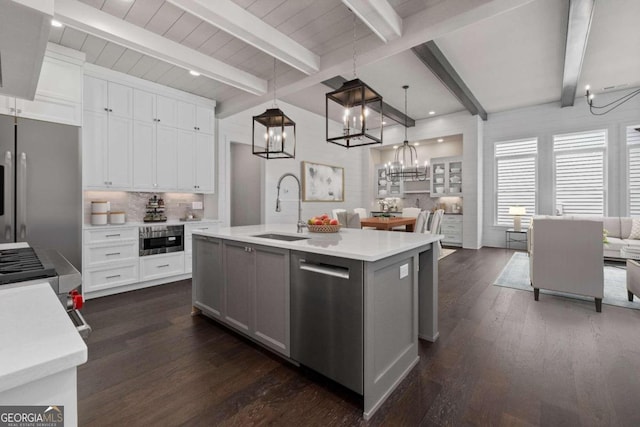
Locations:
column 431, row 113
column 395, row 147
column 194, row 73
column 416, row 143
column 56, row 24
column 440, row 140
column 384, row 123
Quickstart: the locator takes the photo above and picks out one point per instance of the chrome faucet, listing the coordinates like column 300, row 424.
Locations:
column 300, row 224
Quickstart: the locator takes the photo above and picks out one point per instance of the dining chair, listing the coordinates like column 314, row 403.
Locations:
column 408, row 213
column 421, row 222
column 360, row 211
column 334, row 212
column 436, row 225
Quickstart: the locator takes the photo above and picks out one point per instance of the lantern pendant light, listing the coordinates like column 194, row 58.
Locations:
column 354, row 111
column 274, row 134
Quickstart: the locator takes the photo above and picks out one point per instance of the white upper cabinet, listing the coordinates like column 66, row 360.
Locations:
column 139, row 136
column 58, row 95
column 204, row 119
column 186, row 115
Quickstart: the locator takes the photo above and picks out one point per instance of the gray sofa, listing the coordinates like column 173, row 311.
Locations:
column 618, row 229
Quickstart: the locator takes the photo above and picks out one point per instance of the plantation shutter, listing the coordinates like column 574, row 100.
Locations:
column 515, row 179
column 580, row 171
column 633, row 169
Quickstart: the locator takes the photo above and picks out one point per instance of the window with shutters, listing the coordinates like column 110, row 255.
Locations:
column 516, row 163
column 579, row 174
column 633, row 169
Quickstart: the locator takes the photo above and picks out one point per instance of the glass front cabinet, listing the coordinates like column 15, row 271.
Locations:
column 386, row 186
column 446, row 176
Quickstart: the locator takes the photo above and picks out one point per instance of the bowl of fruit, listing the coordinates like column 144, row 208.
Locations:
column 323, row 224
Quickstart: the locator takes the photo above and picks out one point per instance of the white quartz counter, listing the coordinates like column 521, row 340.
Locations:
column 38, row 337
column 364, row 245
column 146, row 224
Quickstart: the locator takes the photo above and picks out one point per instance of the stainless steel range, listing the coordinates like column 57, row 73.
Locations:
column 25, row 265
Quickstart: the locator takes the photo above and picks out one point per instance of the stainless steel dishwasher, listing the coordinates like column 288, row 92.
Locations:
column 327, row 316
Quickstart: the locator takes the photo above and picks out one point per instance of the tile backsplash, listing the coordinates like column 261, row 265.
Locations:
column 134, row 204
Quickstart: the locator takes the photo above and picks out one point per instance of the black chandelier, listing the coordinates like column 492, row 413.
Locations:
column 405, row 165
column 356, row 108
column 274, row 134
column 604, row 109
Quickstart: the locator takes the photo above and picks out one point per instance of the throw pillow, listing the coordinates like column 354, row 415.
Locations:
column 635, row 229
column 605, row 233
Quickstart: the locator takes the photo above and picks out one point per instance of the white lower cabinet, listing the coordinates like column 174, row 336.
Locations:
column 102, row 278
column 452, row 230
column 103, row 254
column 159, row 266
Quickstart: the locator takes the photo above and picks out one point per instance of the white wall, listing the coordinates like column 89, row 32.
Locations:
column 544, row 121
column 311, row 146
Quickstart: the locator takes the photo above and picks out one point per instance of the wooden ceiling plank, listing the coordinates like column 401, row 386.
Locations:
column 235, row 20
column 101, row 24
column 92, row 48
column 109, row 55
column 127, row 61
column 73, row 38
column 379, row 16
column 164, row 19
column 117, row 8
column 578, row 25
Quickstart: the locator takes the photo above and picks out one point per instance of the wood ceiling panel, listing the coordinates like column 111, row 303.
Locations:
column 109, row 55
column 72, row 38
column 143, row 66
column 214, row 43
column 184, row 26
column 157, row 71
column 93, row 47
column 189, row 84
column 230, row 49
column 166, row 16
column 331, row 26
column 242, row 55
column 128, row 59
column 172, row 75
column 142, row 11
column 264, row 7
column 244, row 3
column 117, row 8
column 55, row 34
column 308, row 15
column 285, row 11
column 201, row 34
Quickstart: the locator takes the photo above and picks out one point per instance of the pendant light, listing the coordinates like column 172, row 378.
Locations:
column 274, row 134
column 405, row 165
column 354, row 111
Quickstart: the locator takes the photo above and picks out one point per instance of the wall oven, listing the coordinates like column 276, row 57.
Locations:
column 161, row 239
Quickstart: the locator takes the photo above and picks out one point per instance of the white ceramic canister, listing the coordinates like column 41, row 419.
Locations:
column 99, row 218
column 99, row 206
column 117, row 217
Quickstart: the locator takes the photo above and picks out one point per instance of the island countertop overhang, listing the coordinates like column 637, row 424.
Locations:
column 364, row 245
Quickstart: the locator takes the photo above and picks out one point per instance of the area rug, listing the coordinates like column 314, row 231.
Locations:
column 445, row 252
column 516, row 275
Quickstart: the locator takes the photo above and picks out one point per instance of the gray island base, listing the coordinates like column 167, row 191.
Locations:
column 349, row 305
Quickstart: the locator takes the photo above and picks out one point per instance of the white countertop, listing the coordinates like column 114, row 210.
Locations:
column 365, row 245
column 38, row 337
column 17, row 245
column 145, row 224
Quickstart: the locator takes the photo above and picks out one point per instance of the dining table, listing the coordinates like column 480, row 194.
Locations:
column 388, row 223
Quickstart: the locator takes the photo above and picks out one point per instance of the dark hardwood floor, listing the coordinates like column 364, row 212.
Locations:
column 501, row 359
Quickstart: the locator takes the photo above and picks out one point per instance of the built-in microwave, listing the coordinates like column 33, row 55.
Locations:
column 161, row 239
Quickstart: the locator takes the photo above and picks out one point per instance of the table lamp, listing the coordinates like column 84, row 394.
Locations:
column 517, row 212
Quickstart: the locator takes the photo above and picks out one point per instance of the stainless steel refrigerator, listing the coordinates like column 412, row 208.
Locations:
column 41, row 185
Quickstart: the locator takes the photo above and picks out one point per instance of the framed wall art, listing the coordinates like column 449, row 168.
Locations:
column 322, row 183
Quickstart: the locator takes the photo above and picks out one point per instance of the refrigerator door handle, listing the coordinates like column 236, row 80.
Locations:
column 8, row 196
column 23, row 196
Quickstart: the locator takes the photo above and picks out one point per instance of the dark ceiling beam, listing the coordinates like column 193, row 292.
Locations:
column 387, row 110
column 578, row 25
column 434, row 59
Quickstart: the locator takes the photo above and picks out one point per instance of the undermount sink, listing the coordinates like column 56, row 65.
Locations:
column 284, row 237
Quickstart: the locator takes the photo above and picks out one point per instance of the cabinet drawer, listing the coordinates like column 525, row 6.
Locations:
column 158, row 266
column 96, row 279
column 452, row 238
column 454, row 227
column 110, row 235
column 96, row 255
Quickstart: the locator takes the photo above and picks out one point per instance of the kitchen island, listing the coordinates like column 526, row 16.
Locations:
column 350, row 305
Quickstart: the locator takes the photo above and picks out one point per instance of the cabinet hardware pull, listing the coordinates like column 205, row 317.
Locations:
column 158, row 120
column 113, row 277
column 113, row 253
column 110, row 110
column 19, row 111
column 163, row 265
column 113, row 235
column 106, row 109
